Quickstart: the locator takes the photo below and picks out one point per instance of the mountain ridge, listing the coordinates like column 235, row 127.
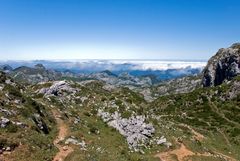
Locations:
column 108, row 118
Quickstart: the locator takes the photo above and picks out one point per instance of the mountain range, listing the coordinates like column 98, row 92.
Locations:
column 135, row 114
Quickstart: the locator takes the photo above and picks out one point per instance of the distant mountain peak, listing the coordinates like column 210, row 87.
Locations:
column 108, row 72
column 39, row 66
column 6, row 68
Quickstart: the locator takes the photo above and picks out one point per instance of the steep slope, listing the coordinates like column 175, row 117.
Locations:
column 213, row 112
column 175, row 86
column 26, row 126
column 201, row 125
column 223, row 66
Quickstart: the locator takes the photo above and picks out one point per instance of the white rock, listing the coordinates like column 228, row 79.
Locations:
column 161, row 140
column 136, row 131
column 4, row 122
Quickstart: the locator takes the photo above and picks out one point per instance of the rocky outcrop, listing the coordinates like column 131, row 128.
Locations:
column 7, row 112
column 223, row 66
column 136, row 131
column 58, row 88
column 179, row 85
column 4, row 122
column 40, row 123
column 234, row 90
column 74, row 141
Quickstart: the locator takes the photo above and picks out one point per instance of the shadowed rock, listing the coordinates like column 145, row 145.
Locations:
column 223, row 66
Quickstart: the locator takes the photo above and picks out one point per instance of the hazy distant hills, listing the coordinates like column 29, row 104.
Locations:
column 155, row 70
column 112, row 65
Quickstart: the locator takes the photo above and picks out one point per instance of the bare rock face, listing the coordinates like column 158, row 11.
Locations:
column 57, row 89
column 134, row 129
column 223, row 66
column 42, row 126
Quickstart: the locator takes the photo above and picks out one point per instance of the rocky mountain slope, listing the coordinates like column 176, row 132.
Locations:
column 212, row 112
column 26, row 126
column 223, row 66
column 34, row 75
column 123, row 79
column 99, row 119
column 6, row 68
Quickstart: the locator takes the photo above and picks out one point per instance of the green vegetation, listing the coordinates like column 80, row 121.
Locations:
column 209, row 112
column 25, row 140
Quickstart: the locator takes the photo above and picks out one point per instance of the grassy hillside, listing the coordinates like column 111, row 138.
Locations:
column 21, row 136
column 202, row 125
column 209, row 111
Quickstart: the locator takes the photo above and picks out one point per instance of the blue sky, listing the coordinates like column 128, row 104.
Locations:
column 116, row 29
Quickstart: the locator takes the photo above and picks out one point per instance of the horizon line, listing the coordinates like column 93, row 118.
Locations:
column 71, row 60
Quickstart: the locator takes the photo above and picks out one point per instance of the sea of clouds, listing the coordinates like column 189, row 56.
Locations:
column 161, row 69
column 112, row 65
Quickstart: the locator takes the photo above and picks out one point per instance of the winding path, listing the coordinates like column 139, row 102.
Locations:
column 183, row 153
column 64, row 151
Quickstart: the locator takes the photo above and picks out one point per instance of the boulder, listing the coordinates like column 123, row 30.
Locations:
column 4, row 122
column 162, row 140
column 72, row 141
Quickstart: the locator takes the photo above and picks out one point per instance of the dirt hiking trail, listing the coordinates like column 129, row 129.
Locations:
column 64, row 151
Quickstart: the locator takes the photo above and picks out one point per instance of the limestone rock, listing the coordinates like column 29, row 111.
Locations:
column 57, row 89
column 71, row 141
column 223, row 66
column 4, row 122
column 136, row 131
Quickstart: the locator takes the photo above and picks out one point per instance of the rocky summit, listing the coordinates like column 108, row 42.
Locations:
column 223, row 66
column 54, row 115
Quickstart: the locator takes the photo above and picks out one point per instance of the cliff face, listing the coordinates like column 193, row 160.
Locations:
column 223, row 66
